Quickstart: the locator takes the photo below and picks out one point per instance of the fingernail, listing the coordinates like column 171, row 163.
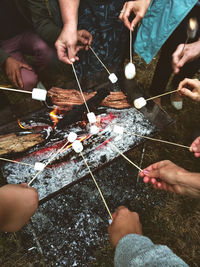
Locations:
column 191, row 149
column 72, row 59
column 146, row 172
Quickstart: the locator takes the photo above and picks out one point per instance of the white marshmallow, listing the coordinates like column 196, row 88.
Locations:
column 72, row 137
column 91, row 117
column 94, row 129
column 118, row 129
column 77, row 146
column 39, row 166
column 139, row 102
column 39, row 94
column 113, row 78
column 130, row 71
column 192, row 28
column 109, row 221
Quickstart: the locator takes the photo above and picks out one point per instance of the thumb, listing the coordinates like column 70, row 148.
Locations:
column 135, row 22
column 26, row 66
column 71, row 53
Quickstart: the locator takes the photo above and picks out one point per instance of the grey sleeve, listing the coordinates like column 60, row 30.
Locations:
column 136, row 250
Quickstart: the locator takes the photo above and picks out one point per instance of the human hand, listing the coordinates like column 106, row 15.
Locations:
column 124, row 222
column 185, row 54
column 138, row 7
column 70, row 42
column 12, row 69
column 165, row 175
column 18, row 203
column 84, row 39
column 187, row 84
column 195, row 147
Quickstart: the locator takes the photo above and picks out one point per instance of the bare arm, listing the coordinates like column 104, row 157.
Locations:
column 69, row 11
column 68, row 37
column 168, row 176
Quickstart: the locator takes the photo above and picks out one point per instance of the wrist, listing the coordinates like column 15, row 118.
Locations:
column 182, row 177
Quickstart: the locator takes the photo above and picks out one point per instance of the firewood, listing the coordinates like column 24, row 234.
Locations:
column 13, row 143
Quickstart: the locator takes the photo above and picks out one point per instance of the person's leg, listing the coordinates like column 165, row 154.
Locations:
column 12, row 47
column 32, row 44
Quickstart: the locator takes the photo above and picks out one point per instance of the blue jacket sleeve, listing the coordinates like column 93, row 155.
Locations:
column 136, row 250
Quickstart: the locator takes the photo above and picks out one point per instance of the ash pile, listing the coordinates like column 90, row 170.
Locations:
column 71, row 221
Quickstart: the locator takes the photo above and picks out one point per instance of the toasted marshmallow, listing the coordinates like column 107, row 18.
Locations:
column 94, row 129
column 118, row 129
column 130, row 71
column 113, row 78
column 91, row 117
column 139, row 102
column 39, row 166
column 39, row 94
column 77, row 146
column 72, row 137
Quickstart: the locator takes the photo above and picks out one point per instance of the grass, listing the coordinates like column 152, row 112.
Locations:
column 177, row 222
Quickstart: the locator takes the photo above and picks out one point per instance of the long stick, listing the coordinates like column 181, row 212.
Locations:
column 116, row 148
column 158, row 140
column 97, row 185
column 81, row 91
column 49, row 161
column 131, row 56
column 15, row 90
column 17, row 162
column 167, row 93
column 99, row 60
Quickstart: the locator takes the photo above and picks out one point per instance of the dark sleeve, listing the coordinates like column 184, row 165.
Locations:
column 3, row 57
column 42, row 21
column 138, row 251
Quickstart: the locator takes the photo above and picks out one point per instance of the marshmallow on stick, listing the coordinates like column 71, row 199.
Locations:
column 192, row 28
column 141, row 102
column 130, row 71
column 37, row 93
column 77, row 146
column 112, row 77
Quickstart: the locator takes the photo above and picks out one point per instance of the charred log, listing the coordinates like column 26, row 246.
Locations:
column 13, row 143
column 77, row 112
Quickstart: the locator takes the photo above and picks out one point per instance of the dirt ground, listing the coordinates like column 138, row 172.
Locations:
column 177, row 222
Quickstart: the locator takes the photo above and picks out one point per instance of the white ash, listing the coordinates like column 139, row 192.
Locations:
column 62, row 174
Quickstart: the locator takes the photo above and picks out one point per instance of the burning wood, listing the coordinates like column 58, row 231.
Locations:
column 65, row 99
column 13, row 143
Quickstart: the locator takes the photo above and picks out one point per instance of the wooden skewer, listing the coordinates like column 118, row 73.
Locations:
column 131, row 55
column 15, row 90
column 125, row 157
column 116, row 148
column 80, row 89
column 158, row 140
column 49, row 161
column 100, row 60
column 17, row 162
column 104, row 201
column 167, row 93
